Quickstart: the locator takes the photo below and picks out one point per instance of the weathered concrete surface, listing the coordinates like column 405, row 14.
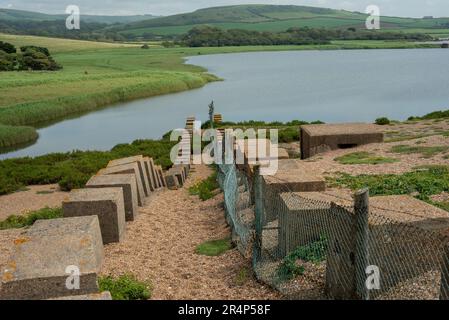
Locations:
column 94, row 296
column 37, row 268
column 160, row 174
column 106, row 203
column 151, row 173
column 324, row 137
column 172, row 181
column 129, row 186
column 142, row 171
column 131, row 168
column 182, row 169
column 292, row 176
column 179, row 174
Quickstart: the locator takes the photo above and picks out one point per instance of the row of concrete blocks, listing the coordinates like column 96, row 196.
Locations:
column 177, row 176
column 61, row 258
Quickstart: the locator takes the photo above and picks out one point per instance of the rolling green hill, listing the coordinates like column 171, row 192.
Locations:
column 270, row 18
column 20, row 15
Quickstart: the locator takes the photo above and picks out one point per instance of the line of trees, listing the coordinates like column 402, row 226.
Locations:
column 89, row 31
column 208, row 36
column 29, row 58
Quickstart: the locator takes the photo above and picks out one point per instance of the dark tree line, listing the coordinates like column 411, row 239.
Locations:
column 207, row 36
column 57, row 28
column 29, row 58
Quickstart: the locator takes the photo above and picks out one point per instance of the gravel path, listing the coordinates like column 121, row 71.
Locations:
column 325, row 163
column 34, row 198
column 160, row 247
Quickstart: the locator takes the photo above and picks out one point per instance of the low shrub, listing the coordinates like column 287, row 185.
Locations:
column 204, row 189
column 432, row 115
column 73, row 169
column 125, row 287
column 21, row 221
column 383, row 121
column 314, row 252
column 425, row 181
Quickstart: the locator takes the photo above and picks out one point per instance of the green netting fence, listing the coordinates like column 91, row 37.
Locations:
column 308, row 247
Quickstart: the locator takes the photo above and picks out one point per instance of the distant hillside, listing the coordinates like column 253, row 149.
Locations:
column 268, row 18
column 21, row 16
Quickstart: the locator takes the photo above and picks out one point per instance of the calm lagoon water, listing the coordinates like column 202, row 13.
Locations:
column 332, row 86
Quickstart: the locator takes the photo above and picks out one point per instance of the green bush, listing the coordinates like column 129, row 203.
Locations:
column 383, row 121
column 125, row 287
column 289, row 135
column 7, row 47
column 425, row 181
column 432, row 115
column 20, row 221
column 37, row 58
column 204, row 189
column 7, row 61
column 314, row 252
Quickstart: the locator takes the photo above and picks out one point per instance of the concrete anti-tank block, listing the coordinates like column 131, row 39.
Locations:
column 47, row 254
column 128, row 184
column 106, row 203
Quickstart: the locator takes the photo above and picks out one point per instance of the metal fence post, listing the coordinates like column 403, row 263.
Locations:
column 361, row 209
column 258, row 208
column 444, row 290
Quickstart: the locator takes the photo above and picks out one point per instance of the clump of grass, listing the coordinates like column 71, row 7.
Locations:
column 425, row 181
column 16, row 222
column 125, row 287
column 243, row 276
column 12, row 136
column 205, row 189
column 314, row 252
column 214, row 247
column 363, row 158
column 427, row 152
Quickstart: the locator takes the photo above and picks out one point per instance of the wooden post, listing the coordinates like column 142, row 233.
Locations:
column 259, row 208
column 361, row 209
column 444, row 290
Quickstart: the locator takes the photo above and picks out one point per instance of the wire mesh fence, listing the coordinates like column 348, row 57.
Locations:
column 312, row 248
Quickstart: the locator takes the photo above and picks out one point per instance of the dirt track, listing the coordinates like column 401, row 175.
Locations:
column 160, row 247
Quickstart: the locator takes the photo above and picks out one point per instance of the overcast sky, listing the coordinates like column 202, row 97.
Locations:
column 408, row 8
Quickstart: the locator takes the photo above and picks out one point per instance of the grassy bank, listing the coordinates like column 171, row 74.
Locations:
column 12, row 136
